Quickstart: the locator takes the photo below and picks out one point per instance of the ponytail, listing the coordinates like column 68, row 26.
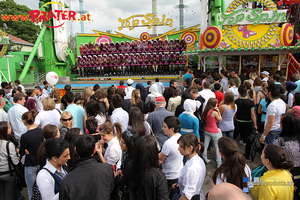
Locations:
column 108, row 127
column 233, row 167
column 118, row 127
column 29, row 117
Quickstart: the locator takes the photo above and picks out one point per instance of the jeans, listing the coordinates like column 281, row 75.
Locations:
column 30, row 173
column 271, row 137
column 228, row 134
column 207, row 138
column 7, row 185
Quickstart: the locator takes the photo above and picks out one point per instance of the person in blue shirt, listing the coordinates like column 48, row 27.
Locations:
column 189, row 122
column 77, row 112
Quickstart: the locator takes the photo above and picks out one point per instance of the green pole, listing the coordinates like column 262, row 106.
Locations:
column 33, row 52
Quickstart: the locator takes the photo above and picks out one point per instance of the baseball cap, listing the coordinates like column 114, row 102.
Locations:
column 265, row 73
column 160, row 98
column 130, row 81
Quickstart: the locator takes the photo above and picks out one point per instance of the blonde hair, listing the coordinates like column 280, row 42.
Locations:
column 48, row 104
column 253, row 75
column 66, row 114
column 264, row 85
column 86, row 93
column 135, row 99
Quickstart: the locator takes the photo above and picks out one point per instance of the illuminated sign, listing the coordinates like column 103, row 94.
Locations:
column 149, row 21
column 252, row 16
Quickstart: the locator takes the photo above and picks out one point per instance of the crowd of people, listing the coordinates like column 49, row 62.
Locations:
column 129, row 142
column 135, row 58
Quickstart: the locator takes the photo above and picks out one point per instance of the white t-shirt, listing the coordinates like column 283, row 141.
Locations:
column 192, row 177
column 247, row 172
column 206, row 94
column 3, row 116
column 113, row 153
column 48, row 117
column 128, row 92
column 173, row 164
column 276, row 107
column 235, row 92
column 100, row 119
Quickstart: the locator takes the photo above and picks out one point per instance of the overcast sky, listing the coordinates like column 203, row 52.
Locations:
column 105, row 14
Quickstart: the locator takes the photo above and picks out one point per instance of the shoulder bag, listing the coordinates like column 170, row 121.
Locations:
column 19, row 169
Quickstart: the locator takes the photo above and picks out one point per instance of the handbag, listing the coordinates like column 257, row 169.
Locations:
column 36, row 195
column 253, row 139
column 20, row 182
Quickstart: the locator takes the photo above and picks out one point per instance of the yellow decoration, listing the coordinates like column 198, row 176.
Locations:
column 250, row 36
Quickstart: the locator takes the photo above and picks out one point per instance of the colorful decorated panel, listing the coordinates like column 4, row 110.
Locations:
column 248, row 28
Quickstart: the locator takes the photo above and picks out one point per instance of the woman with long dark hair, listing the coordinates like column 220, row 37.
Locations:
column 49, row 131
column 192, row 175
column 233, row 168
column 127, row 142
column 30, row 142
column 290, row 140
column 7, row 179
column 93, row 109
column 136, row 121
column 228, row 109
column 147, row 181
column 179, row 108
column 57, row 154
column 278, row 182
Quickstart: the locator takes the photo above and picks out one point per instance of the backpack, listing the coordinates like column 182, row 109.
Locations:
column 198, row 112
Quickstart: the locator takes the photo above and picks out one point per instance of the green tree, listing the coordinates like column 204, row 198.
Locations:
column 72, row 44
column 26, row 30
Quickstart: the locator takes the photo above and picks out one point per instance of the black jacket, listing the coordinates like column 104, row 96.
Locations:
column 152, row 187
column 88, row 180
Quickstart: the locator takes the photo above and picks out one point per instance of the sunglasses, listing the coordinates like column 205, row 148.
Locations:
column 129, row 134
column 67, row 119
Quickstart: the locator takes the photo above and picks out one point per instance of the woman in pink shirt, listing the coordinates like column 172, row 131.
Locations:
column 296, row 108
column 211, row 115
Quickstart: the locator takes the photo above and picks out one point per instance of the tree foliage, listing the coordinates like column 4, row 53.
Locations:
column 72, row 44
column 25, row 30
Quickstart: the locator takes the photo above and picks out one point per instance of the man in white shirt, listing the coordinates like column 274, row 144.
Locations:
column 274, row 111
column 169, row 157
column 119, row 115
column 47, row 89
column 18, row 84
column 206, row 93
column 3, row 114
column 15, row 116
column 129, row 89
column 38, row 97
column 161, row 87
